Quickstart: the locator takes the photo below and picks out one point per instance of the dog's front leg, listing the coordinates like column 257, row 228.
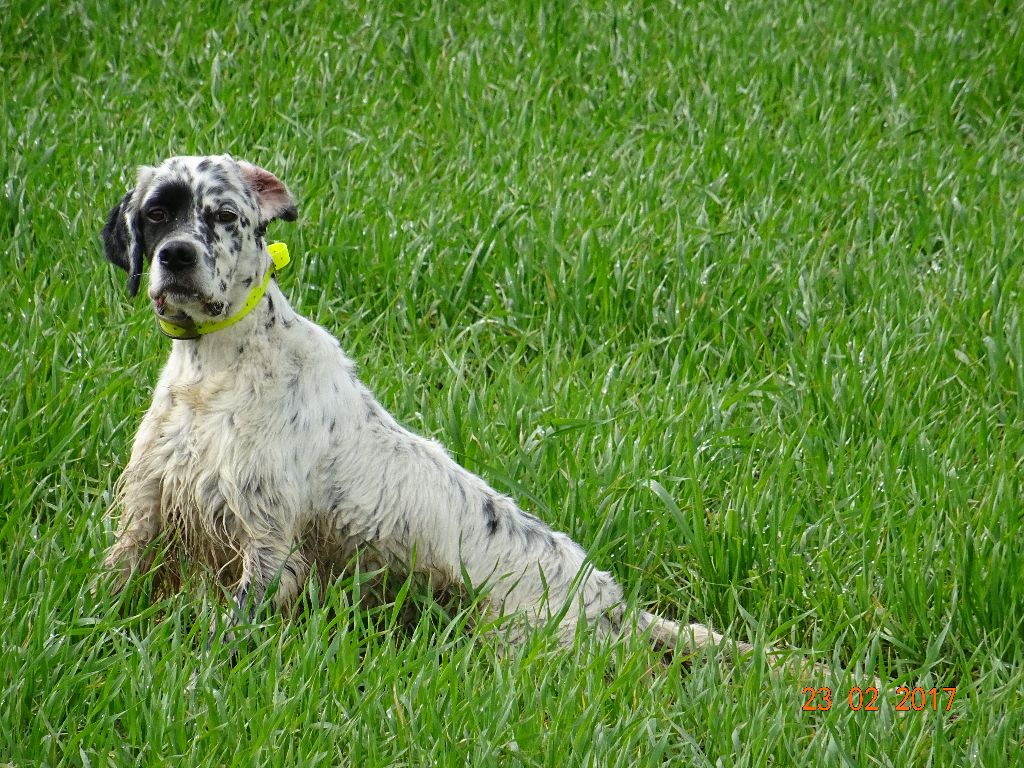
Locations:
column 138, row 527
column 139, row 496
column 265, row 560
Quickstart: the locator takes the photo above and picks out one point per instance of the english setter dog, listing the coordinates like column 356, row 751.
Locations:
column 262, row 453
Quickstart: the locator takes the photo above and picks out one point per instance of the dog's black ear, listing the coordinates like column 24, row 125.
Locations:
column 274, row 199
column 122, row 243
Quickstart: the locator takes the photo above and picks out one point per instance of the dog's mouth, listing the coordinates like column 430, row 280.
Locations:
column 168, row 303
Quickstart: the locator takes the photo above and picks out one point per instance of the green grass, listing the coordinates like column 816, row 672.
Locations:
column 732, row 294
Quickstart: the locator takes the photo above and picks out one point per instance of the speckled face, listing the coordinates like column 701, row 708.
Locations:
column 200, row 222
column 200, row 226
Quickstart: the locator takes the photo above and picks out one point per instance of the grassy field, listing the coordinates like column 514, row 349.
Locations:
column 731, row 293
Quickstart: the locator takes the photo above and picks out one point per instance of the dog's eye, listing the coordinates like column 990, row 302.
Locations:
column 225, row 216
column 156, row 215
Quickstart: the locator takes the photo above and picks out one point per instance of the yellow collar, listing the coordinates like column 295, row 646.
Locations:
column 279, row 253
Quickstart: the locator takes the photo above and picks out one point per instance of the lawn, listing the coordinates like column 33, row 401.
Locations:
column 732, row 293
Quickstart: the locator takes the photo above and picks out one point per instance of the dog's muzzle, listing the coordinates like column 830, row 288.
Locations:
column 279, row 258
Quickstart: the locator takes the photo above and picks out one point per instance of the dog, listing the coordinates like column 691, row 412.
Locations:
column 263, row 454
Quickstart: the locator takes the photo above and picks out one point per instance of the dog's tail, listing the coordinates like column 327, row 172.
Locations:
column 670, row 637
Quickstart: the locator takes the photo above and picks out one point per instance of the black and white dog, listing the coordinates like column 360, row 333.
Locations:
column 262, row 453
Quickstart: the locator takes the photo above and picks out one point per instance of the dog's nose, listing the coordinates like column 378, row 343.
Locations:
column 177, row 255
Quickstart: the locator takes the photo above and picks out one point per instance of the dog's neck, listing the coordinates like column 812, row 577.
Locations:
column 229, row 347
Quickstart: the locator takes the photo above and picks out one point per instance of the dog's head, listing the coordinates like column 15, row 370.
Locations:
column 199, row 222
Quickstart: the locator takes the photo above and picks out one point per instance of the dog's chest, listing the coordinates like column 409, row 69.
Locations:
column 220, row 445
column 202, row 422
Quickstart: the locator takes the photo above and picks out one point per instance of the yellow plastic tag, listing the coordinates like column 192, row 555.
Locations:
column 279, row 253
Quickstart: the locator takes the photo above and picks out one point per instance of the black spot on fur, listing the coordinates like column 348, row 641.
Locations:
column 272, row 315
column 532, row 530
column 369, row 406
column 206, row 232
column 490, row 516
column 215, row 176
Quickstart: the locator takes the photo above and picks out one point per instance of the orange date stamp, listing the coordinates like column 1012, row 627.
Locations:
column 868, row 699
